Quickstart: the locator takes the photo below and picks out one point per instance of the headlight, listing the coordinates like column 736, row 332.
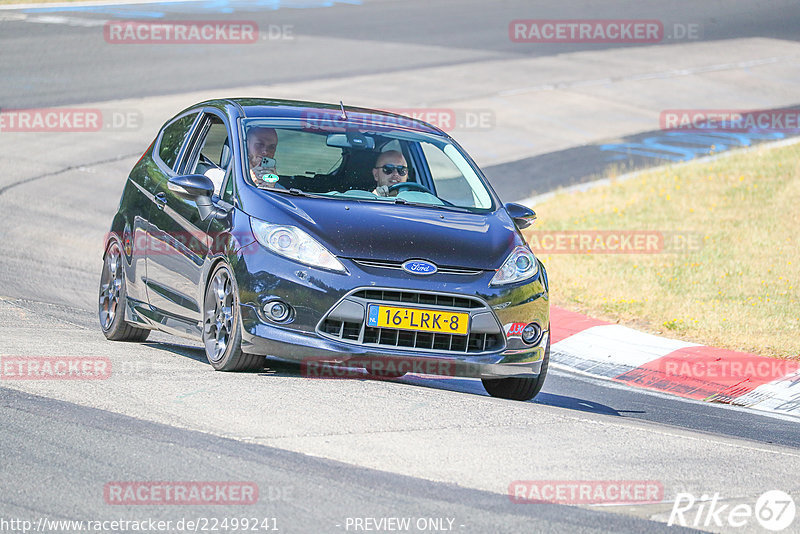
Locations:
column 295, row 244
column 520, row 265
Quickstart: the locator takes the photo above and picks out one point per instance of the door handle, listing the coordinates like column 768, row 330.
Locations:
column 161, row 200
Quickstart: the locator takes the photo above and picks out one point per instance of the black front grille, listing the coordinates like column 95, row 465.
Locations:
column 431, row 341
column 412, row 297
column 341, row 323
column 342, row 329
column 390, row 337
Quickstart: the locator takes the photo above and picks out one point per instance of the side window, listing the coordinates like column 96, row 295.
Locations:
column 211, row 155
column 173, row 138
column 449, row 182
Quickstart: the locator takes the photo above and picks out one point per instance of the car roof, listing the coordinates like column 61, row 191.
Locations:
column 298, row 109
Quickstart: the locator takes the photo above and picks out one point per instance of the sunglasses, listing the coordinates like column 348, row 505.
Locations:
column 388, row 169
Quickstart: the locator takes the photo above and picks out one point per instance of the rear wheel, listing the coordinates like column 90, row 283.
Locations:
column 222, row 336
column 518, row 388
column 111, row 305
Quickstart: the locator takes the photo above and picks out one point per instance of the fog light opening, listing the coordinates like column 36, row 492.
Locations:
column 277, row 311
column 532, row 334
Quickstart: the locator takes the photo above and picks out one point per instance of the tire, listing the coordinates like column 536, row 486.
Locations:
column 517, row 388
column 113, row 295
column 222, row 334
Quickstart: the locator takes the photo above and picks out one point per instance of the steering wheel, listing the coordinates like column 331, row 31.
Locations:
column 414, row 186
column 410, row 186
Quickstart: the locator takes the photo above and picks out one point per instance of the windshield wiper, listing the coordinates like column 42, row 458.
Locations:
column 449, row 206
column 452, row 207
column 293, row 191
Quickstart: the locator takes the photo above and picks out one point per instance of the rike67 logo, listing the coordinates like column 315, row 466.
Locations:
column 774, row 510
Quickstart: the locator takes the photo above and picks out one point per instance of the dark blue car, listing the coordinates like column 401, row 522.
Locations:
column 336, row 237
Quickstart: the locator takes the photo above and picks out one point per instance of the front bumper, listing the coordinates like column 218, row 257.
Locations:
column 314, row 293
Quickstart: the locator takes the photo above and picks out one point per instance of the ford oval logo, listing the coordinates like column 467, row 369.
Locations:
column 419, row 267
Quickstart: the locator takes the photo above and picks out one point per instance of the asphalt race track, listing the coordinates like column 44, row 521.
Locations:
column 326, row 455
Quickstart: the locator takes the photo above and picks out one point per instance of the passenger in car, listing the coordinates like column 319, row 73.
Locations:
column 390, row 168
column 261, row 143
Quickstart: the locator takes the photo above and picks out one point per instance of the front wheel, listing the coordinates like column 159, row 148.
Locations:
column 111, row 304
column 222, row 336
column 518, row 388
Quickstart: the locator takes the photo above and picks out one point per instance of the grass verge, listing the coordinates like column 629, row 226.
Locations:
column 715, row 259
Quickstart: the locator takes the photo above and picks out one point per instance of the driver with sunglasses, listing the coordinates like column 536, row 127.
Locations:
column 390, row 169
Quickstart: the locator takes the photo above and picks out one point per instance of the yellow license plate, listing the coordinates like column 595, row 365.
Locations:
column 438, row 321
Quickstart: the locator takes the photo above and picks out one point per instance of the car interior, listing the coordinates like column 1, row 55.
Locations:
column 342, row 163
column 354, row 173
column 213, row 157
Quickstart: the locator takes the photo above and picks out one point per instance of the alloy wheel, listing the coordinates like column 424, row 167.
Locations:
column 218, row 324
column 110, row 286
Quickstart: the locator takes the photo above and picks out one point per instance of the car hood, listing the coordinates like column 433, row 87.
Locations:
column 377, row 231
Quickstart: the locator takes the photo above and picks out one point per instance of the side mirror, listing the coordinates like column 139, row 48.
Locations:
column 192, row 186
column 198, row 188
column 523, row 216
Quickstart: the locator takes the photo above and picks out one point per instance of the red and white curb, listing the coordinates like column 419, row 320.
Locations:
column 689, row 370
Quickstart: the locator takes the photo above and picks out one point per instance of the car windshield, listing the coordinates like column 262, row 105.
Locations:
column 380, row 164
